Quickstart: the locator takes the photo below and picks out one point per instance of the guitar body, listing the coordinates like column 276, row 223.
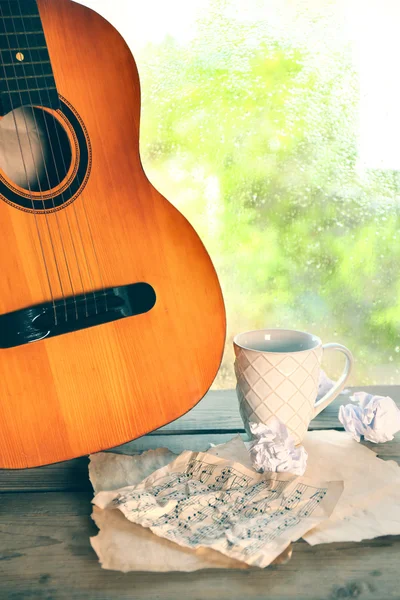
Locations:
column 97, row 387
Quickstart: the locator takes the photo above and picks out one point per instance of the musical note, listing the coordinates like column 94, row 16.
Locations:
column 221, row 506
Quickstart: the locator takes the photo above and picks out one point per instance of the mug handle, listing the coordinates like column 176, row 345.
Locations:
column 339, row 385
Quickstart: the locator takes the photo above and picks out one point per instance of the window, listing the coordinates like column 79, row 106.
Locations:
column 274, row 127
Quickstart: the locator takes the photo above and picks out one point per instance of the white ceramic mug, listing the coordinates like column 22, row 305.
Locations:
column 277, row 372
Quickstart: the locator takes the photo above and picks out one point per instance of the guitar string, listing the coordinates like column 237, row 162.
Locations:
column 36, row 170
column 86, row 216
column 46, row 172
column 88, row 268
column 29, row 185
column 58, row 177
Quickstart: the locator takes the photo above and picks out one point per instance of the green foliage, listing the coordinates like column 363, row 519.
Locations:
column 256, row 143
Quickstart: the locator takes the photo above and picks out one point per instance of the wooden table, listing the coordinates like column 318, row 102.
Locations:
column 45, row 527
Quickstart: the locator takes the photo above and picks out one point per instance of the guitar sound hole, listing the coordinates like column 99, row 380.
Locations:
column 35, row 152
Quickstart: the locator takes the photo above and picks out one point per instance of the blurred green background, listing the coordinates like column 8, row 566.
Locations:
column 252, row 132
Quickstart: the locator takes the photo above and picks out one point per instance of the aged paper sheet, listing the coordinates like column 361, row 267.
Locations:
column 370, row 504
column 368, row 507
column 125, row 546
column 204, row 501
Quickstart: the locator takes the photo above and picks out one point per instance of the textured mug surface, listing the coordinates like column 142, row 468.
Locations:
column 277, row 372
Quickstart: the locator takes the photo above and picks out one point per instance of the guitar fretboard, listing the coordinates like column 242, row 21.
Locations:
column 26, row 75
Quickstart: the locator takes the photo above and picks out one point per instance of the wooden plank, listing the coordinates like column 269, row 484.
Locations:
column 179, row 443
column 219, row 412
column 73, row 475
column 45, row 554
column 217, row 418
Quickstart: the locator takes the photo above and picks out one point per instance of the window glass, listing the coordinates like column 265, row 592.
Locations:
column 274, row 127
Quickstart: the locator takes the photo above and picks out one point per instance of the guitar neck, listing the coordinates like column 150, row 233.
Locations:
column 26, row 75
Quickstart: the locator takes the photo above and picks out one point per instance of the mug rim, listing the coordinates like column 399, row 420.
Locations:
column 315, row 337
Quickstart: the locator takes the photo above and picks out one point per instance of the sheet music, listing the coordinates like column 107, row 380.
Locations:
column 201, row 500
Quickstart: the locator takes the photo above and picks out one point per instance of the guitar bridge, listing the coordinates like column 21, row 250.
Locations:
column 70, row 314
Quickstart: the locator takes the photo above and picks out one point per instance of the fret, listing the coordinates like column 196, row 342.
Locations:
column 19, row 16
column 20, row 64
column 28, row 90
column 18, row 34
column 38, row 76
column 19, row 48
column 22, row 33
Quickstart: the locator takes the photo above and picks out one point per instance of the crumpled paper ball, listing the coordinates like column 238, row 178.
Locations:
column 273, row 449
column 377, row 418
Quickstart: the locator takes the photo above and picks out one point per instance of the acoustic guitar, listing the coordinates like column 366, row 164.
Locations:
column 112, row 321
